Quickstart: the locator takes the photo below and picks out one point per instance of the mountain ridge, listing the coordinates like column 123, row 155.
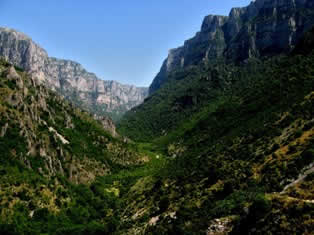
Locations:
column 52, row 156
column 224, row 145
column 239, row 143
column 69, row 78
column 238, row 36
column 48, row 127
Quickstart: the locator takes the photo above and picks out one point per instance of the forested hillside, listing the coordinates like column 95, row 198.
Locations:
column 51, row 154
column 224, row 143
column 243, row 163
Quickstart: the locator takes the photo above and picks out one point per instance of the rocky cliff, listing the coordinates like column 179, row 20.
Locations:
column 45, row 133
column 264, row 28
column 53, row 157
column 69, row 78
column 240, row 139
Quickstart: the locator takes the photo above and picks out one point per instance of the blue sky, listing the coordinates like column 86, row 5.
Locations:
column 119, row 40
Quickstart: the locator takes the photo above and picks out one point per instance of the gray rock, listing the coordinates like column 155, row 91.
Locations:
column 69, row 78
column 264, row 28
column 12, row 75
column 221, row 226
column 4, row 130
column 108, row 124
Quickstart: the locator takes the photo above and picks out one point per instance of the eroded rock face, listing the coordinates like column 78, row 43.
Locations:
column 69, row 78
column 108, row 124
column 12, row 75
column 264, row 28
column 222, row 226
column 52, row 137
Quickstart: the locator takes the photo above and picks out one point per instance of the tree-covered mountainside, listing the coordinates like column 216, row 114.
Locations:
column 263, row 28
column 50, row 156
column 206, row 66
column 240, row 164
column 222, row 146
column 243, row 164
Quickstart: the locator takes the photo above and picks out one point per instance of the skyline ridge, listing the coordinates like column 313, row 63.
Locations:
column 108, row 46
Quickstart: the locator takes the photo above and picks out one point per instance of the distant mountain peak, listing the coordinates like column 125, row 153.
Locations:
column 263, row 28
column 69, row 78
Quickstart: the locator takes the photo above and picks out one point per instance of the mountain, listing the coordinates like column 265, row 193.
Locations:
column 224, row 145
column 243, row 164
column 51, row 135
column 264, row 28
column 239, row 160
column 232, row 112
column 206, row 65
column 69, row 78
column 51, row 154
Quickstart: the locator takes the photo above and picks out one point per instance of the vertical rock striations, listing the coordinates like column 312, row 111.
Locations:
column 69, row 78
column 264, row 28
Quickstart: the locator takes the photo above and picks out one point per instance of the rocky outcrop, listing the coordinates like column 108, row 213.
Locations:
column 49, row 135
column 13, row 76
column 69, row 78
column 222, row 226
column 264, row 28
column 107, row 124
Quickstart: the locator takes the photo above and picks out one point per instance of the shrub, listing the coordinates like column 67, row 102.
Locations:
column 292, row 149
column 298, row 133
column 260, row 206
column 275, row 147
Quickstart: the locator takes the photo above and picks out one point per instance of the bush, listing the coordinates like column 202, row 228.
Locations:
column 306, row 158
column 308, row 154
column 298, row 133
column 275, row 147
column 261, row 205
column 292, row 149
column 7, row 229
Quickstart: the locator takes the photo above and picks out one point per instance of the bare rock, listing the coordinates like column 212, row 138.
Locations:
column 221, row 226
column 263, row 28
column 108, row 124
column 67, row 77
column 4, row 130
column 12, row 75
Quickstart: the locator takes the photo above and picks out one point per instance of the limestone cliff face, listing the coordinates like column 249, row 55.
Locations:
column 264, row 28
column 47, row 134
column 107, row 124
column 20, row 50
column 69, row 78
column 272, row 28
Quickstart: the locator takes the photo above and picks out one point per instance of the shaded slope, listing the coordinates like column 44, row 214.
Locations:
column 263, row 28
column 208, row 64
column 232, row 159
column 51, row 153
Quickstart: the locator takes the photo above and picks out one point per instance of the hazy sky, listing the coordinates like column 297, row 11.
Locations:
column 123, row 40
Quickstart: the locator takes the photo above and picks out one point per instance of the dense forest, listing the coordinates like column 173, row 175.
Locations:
column 223, row 144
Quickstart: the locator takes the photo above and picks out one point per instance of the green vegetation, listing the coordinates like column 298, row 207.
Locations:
column 221, row 142
column 231, row 148
column 52, row 157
